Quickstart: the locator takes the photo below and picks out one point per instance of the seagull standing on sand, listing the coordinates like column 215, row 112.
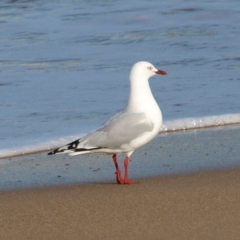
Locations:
column 129, row 129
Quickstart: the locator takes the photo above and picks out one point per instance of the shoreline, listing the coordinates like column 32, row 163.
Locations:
column 163, row 132
column 168, row 154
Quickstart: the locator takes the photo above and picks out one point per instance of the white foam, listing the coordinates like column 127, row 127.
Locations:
column 38, row 147
column 201, row 122
column 168, row 126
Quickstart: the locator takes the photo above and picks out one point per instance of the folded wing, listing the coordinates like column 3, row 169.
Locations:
column 120, row 130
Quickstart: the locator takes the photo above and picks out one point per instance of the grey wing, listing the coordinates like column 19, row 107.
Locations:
column 120, row 129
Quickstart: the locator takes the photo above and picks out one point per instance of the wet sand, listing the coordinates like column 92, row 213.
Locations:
column 168, row 154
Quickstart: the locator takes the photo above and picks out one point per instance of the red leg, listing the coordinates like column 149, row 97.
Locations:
column 126, row 180
column 118, row 172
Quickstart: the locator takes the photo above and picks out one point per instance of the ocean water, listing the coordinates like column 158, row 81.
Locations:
column 64, row 65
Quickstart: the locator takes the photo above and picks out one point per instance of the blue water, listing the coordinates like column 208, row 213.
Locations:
column 64, row 65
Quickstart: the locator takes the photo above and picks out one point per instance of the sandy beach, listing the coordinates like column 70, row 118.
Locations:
column 199, row 206
column 53, row 198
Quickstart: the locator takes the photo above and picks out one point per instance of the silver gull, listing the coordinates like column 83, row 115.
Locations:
column 129, row 129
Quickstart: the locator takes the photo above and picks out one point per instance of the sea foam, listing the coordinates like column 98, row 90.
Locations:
column 201, row 122
column 167, row 127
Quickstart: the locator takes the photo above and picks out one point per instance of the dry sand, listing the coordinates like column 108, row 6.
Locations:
column 198, row 206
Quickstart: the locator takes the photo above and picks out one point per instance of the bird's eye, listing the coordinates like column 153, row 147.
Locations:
column 149, row 68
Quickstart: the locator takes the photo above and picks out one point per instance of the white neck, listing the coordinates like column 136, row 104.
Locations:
column 141, row 97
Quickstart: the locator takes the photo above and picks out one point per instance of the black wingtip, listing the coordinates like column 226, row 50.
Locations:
column 50, row 153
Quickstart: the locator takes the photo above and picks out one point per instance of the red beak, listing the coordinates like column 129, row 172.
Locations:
column 161, row 72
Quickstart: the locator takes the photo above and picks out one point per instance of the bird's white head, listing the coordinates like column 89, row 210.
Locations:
column 144, row 70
